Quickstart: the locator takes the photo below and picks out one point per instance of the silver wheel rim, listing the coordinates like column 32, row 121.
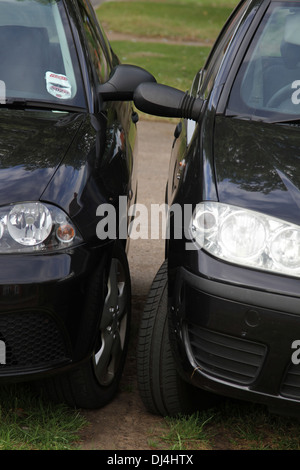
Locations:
column 113, row 326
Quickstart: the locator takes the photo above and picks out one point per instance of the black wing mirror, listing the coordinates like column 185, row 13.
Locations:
column 132, row 83
column 162, row 100
column 123, row 81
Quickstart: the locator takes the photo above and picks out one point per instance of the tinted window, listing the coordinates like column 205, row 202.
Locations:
column 267, row 83
column 37, row 57
column 95, row 43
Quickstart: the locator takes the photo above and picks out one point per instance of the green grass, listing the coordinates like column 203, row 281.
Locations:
column 183, row 20
column 188, row 432
column 197, row 21
column 170, row 64
column 27, row 422
column 231, row 426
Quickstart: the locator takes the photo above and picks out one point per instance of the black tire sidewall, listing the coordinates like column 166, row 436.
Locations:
column 162, row 389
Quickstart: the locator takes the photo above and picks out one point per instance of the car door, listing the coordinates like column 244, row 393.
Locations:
column 118, row 118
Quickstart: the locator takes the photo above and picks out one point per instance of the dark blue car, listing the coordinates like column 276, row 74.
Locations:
column 223, row 314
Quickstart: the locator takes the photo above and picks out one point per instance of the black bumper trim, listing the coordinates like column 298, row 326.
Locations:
column 261, row 299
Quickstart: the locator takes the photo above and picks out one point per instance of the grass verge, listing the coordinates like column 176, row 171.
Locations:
column 160, row 21
column 196, row 21
column 30, row 423
column 230, row 426
column 170, row 64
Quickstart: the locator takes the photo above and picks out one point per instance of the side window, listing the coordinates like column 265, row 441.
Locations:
column 218, row 52
column 267, row 83
column 94, row 42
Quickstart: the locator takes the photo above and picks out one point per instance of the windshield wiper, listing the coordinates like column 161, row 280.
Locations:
column 20, row 103
column 284, row 121
column 23, row 103
column 244, row 117
column 277, row 119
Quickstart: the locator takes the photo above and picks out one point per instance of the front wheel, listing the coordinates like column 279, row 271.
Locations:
column 94, row 383
column 162, row 389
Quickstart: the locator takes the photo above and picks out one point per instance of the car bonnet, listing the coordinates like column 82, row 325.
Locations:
column 32, row 145
column 257, row 166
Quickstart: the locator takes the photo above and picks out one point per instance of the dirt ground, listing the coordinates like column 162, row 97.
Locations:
column 124, row 424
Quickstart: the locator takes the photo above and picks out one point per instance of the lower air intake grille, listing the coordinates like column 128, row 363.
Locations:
column 291, row 385
column 226, row 357
column 32, row 339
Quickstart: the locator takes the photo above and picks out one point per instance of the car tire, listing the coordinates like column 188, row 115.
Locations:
column 95, row 382
column 162, row 389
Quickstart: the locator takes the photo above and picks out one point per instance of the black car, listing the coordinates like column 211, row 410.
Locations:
column 223, row 314
column 67, row 149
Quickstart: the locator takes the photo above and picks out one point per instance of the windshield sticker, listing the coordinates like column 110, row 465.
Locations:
column 58, row 85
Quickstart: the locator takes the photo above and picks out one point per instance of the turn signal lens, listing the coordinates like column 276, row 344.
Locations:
column 65, row 233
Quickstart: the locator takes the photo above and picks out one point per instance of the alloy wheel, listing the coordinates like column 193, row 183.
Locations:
column 113, row 326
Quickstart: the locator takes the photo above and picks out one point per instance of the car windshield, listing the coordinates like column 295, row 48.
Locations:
column 37, row 57
column 267, row 85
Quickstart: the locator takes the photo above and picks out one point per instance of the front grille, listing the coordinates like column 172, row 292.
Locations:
column 32, row 339
column 291, row 385
column 226, row 357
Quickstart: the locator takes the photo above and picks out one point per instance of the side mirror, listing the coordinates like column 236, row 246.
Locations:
column 123, row 81
column 162, row 100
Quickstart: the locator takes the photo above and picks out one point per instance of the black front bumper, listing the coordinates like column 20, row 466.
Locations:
column 236, row 340
column 46, row 325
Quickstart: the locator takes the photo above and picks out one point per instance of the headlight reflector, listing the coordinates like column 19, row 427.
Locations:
column 247, row 238
column 237, row 235
column 285, row 248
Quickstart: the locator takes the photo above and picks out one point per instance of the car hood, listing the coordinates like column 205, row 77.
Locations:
column 257, row 166
column 32, row 145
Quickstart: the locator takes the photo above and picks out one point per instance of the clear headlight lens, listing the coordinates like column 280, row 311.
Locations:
column 247, row 238
column 29, row 224
column 34, row 226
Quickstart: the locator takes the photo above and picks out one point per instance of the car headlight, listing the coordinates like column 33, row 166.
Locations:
column 247, row 238
column 35, row 226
